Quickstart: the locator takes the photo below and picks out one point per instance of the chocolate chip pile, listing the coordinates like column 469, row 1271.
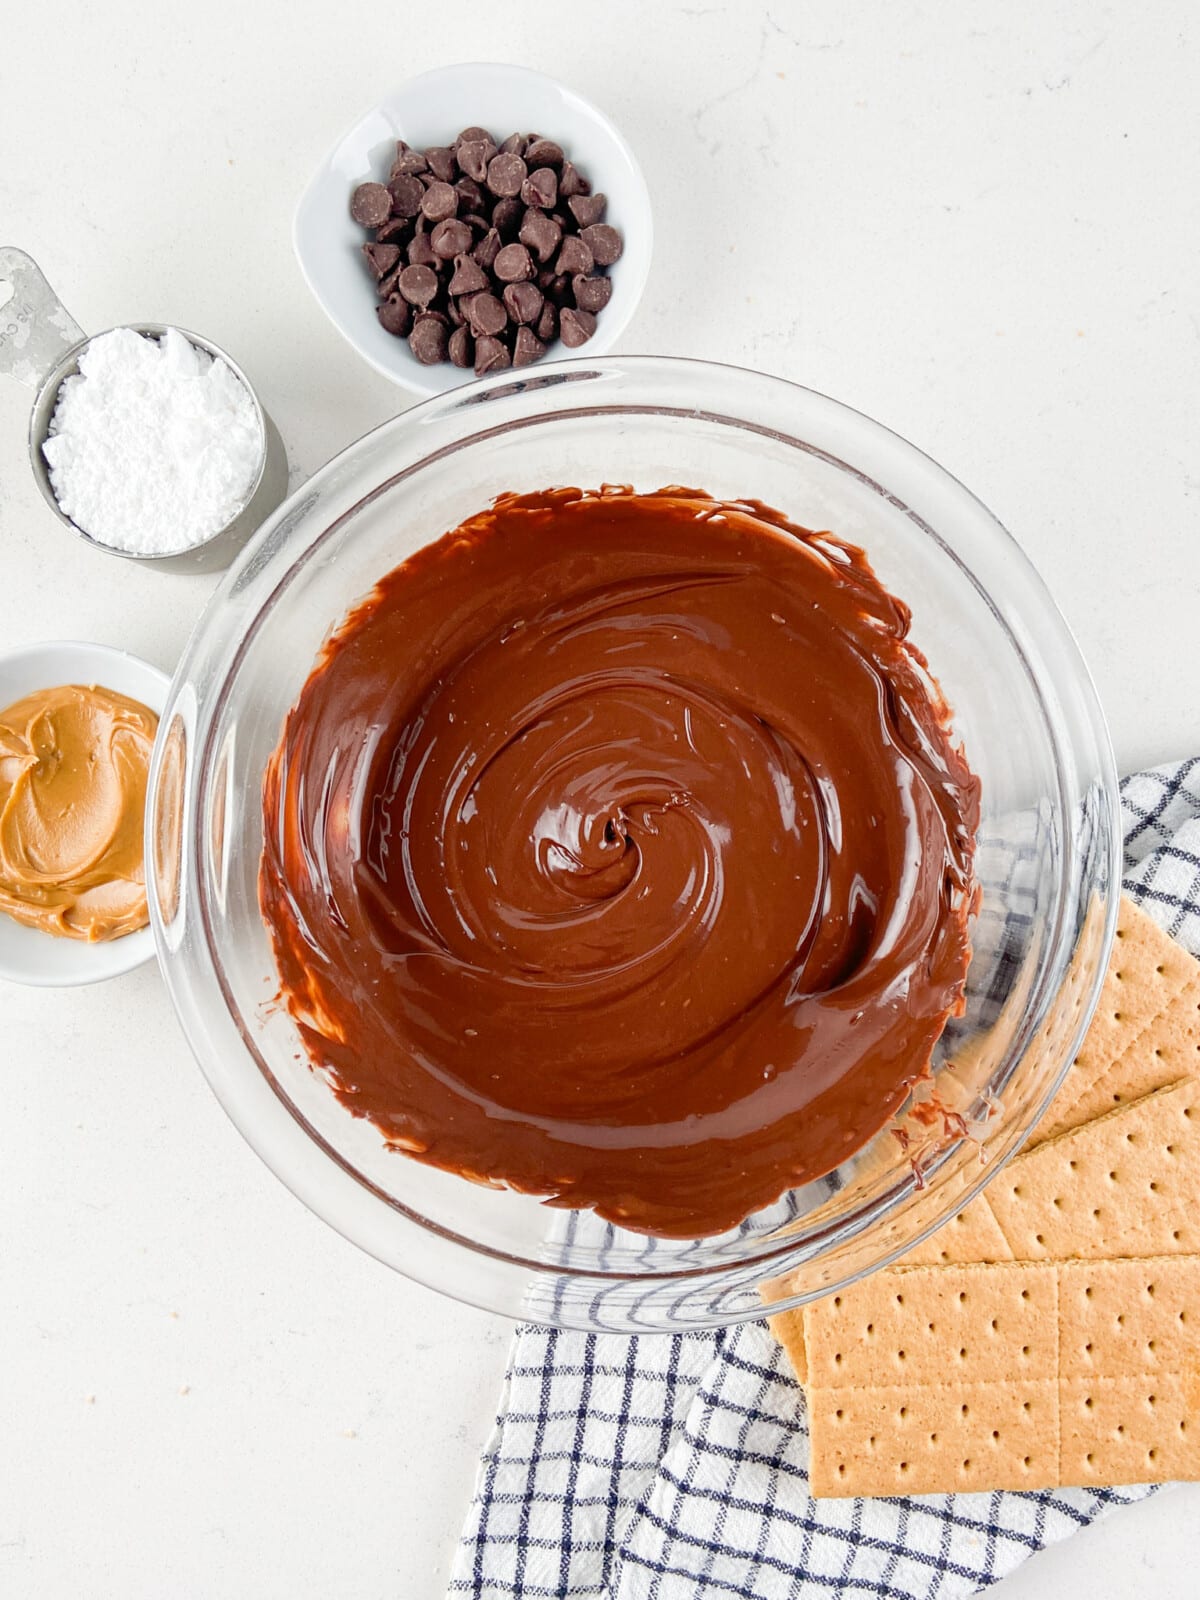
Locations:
column 484, row 253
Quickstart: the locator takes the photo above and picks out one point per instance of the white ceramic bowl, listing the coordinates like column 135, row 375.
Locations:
column 433, row 109
column 26, row 954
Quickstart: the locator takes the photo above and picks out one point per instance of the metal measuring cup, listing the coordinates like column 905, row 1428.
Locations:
column 40, row 346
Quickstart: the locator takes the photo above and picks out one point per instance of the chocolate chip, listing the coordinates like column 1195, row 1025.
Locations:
column 523, row 301
column 478, row 225
column 490, row 356
column 450, row 239
column 474, row 135
column 591, row 294
column 575, row 327
column 370, row 204
column 574, row 256
column 540, row 188
column 506, row 218
column 488, row 248
column 409, row 165
column 455, row 312
column 440, row 201
column 406, row 195
column 470, row 196
column 546, row 326
column 469, row 277
column 428, row 340
column 527, row 347
column 485, row 314
column 391, row 284
column 505, row 174
column 559, row 290
column 408, row 159
column 461, row 348
column 419, row 252
column 587, row 208
column 473, row 157
column 395, row 315
column 381, row 258
column 514, row 264
column 441, row 162
column 418, row 285
column 514, row 145
column 604, row 242
column 572, row 181
column 541, row 233
column 394, row 228
column 543, row 153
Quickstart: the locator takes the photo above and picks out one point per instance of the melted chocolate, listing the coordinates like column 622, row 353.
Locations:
column 617, row 850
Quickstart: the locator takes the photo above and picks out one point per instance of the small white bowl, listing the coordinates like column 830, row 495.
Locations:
column 433, row 109
column 27, row 955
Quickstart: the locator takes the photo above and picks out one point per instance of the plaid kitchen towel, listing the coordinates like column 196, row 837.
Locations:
column 663, row 1468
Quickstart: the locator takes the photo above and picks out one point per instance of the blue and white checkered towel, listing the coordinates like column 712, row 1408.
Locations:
column 664, row 1468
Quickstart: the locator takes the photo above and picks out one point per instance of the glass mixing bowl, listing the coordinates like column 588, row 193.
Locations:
column 1024, row 707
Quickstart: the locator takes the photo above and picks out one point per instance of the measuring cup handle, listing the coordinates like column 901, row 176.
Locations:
column 36, row 329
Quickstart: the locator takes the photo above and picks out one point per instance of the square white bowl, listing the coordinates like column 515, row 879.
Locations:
column 433, row 109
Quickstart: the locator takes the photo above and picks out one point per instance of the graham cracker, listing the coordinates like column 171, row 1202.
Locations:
column 1145, row 1035
column 1152, row 1317
column 886, row 1441
column 936, row 1326
column 788, row 1328
column 1045, row 1336
column 1153, row 1043
column 1014, row 1375
column 1149, row 979
column 1126, row 1184
column 1149, row 1429
column 1166, row 1050
column 973, row 1235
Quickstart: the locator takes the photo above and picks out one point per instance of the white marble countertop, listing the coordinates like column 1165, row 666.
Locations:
column 978, row 223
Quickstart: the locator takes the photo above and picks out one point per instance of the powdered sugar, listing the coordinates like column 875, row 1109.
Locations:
column 154, row 446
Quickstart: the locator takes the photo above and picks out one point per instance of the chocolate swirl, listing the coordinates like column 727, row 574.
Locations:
column 617, row 850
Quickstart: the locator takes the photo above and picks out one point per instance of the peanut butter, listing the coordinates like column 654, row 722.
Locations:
column 73, row 768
